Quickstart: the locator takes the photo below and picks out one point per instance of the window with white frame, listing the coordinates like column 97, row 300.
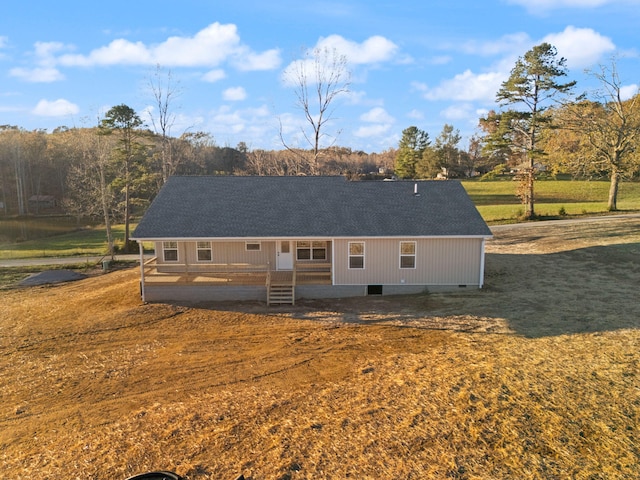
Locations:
column 204, row 251
column 407, row 254
column 356, row 254
column 253, row 246
column 170, row 251
column 311, row 250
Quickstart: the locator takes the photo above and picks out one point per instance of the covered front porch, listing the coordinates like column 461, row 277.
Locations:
column 280, row 284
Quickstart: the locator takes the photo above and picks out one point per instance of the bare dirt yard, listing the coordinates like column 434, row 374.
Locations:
column 536, row 376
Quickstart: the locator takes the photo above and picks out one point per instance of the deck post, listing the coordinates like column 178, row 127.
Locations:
column 141, row 249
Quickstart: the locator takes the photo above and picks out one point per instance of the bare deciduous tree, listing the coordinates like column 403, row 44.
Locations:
column 89, row 180
column 318, row 80
column 164, row 90
column 611, row 127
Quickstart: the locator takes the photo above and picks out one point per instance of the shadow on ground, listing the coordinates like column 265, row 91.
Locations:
column 591, row 289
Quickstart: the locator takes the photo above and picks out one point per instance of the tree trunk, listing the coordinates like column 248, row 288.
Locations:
column 127, row 206
column 529, row 212
column 105, row 211
column 612, row 205
column 20, row 183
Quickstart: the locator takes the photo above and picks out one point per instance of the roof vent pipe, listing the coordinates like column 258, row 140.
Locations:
column 415, row 190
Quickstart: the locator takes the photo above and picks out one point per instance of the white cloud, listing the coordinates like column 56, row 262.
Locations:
column 234, row 94
column 37, row 75
column 214, row 75
column 371, row 131
column 629, row 91
column 45, row 51
column 581, row 47
column 415, row 115
column 233, row 125
column 56, row 108
column 45, row 71
column 547, row 5
column 460, row 111
column 466, row 86
column 441, row 60
column 379, row 120
column 377, row 115
column 515, row 42
column 375, row 49
column 419, row 86
column 211, row 46
column 249, row 61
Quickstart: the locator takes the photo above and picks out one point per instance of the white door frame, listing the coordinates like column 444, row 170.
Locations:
column 284, row 255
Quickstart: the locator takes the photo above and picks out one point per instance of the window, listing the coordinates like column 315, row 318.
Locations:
column 170, row 251
column 407, row 254
column 204, row 251
column 311, row 250
column 252, row 246
column 356, row 254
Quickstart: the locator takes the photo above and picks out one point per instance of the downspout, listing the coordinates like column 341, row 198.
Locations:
column 142, row 292
column 333, row 261
column 186, row 261
column 481, row 279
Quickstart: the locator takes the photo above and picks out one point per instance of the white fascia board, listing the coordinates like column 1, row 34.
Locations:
column 297, row 237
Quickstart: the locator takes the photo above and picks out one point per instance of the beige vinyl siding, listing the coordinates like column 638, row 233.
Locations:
column 439, row 261
column 222, row 253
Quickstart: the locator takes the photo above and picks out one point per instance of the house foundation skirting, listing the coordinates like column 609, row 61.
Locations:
column 209, row 293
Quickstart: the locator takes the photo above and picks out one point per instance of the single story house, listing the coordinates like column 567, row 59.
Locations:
column 276, row 239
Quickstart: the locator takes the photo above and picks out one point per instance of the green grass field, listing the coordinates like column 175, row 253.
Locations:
column 497, row 203
column 75, row 242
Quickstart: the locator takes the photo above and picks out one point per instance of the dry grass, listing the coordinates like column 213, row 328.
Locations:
column 534, row 377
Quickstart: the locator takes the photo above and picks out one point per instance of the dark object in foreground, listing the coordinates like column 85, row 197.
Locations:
column 160, row 475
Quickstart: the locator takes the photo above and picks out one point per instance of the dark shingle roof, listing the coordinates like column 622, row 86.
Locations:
column 267, row 207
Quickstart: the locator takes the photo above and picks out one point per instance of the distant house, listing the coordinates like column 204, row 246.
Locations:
column 39, row 203
column 276, row 239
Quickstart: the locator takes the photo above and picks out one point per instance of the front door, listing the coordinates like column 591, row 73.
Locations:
column 284, row 255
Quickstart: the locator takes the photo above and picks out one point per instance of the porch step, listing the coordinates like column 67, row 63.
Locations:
column 281, row 294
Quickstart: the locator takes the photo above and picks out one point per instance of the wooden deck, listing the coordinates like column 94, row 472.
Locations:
column 235, row 274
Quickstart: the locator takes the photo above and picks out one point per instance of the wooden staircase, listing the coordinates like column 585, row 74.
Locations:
column 281, row 288
column 281, row 295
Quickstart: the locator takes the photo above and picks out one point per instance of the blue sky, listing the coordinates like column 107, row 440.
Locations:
column 422, row 63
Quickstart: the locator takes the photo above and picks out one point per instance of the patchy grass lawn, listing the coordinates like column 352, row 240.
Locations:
column 535, row 376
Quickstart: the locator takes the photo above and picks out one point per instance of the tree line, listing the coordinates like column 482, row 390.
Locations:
column 114, row 169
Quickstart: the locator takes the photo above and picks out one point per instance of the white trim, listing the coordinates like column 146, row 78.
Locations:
column 333, row 261
column 177, row 249
column 252, row 242
column 142, row 286
column 311, row 249
column 210, row 249
column 271, row 239
column 414, row 255
column 481, row 279
column 349, row 255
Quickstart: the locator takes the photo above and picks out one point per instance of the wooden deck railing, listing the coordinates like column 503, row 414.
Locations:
column 231, row 273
